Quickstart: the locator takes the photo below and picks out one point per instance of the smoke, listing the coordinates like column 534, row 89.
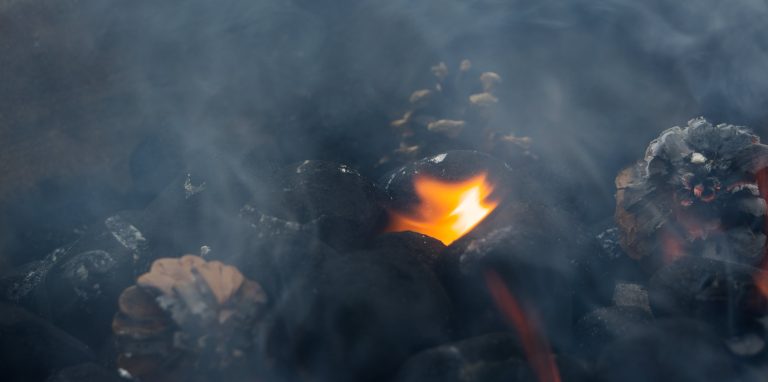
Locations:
column 242, row 86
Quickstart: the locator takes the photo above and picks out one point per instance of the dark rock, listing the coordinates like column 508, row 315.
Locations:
column 357, row 317
column 672, row 350
column 86, row 372
column 31, row 349
column 721, row 293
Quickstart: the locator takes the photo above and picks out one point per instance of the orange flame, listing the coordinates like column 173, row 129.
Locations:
column 447, row 210
column 535, row 346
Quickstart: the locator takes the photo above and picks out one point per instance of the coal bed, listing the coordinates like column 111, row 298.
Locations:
column 342, row 191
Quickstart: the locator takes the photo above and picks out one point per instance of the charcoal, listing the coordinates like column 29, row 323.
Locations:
column 631, row 295
column 201, row 206
column 425, row 248
column 600, row 267
column 455, row 361
column 76, row 286
column 277, row 260
column 606, row 325
column 720, row 293
column 331, row 200
column 530, row 252
column 358, row 316
column 672, row 350
column 694, row 193
column 31, row 348
column 451, row 166
column 490, row 357
column 86, row 372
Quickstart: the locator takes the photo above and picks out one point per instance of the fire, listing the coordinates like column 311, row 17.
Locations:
column 536, row 347
column 447, row 210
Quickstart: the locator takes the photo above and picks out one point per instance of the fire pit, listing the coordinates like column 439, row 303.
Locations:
column 346, row 191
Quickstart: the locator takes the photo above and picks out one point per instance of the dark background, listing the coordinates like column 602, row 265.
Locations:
column 104, row 101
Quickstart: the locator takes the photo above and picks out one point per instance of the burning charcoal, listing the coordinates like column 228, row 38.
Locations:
column 357, row 317
column 671, row 350
column 694, row 193
column 332, row 200
column 32, row 348
column 187, row 318
column 606, row 325
column 720, row 293
column 86, row 372
column 449, row 167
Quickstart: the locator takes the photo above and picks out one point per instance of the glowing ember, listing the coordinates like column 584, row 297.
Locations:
column 535, row 346
column 447, row 210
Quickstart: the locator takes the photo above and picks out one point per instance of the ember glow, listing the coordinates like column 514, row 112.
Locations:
column 446, row 210
column 536, row 347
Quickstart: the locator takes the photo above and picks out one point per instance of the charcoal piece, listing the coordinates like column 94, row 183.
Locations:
column 86, row 372
column 277, row 260
column 331, row 200
column 82, row 292
column 490, row 357
column 524, row 243
column 606, row 325
column 720, row 293
column 76, row 286
column 601, row 265
column 31, row 348
column 672, row 350
column 695, row 192
column 631, row 295
column 201, row 206
column 466, row 360
column 358, row 316
column 425, row 248
column 452, row 166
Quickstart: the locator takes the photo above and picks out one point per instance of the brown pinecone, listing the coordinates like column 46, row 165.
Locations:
column 185, row 318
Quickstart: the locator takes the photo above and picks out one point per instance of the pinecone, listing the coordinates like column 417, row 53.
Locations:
column 186, row 318
column 694, row 193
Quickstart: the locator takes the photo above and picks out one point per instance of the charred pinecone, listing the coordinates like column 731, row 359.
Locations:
column 695, row 193
column 453, row 114
column 186, row 315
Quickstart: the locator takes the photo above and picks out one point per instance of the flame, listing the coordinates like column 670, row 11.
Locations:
column 536, row 348
column 447, row 210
